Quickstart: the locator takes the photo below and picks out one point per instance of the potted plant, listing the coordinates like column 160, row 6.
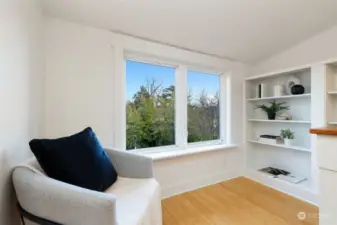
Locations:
column 273, row 109
column 287, row 136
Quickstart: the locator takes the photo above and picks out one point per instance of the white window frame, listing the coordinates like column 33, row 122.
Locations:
column 181, row 114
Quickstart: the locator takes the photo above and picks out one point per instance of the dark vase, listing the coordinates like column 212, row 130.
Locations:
column 297, row 89
column 271, row 115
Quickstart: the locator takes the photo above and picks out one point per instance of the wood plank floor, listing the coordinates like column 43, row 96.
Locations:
column 236, row 202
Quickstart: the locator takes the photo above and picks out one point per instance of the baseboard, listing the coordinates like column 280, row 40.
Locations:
column 190, row 185
column 294, row 190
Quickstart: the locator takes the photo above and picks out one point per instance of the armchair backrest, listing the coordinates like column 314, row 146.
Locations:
column 60, row 202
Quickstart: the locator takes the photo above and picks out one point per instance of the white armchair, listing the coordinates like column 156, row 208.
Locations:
column 133, row 199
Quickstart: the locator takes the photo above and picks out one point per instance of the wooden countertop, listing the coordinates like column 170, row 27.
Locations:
column 324, row 131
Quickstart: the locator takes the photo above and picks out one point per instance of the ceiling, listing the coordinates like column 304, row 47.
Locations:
column 244, row 30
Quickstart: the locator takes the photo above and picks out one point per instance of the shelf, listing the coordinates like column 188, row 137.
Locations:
column 332, row 123
column 280, row 97
column 277, row 183
column 298, row 148
column 332, row 92
column 280, row 121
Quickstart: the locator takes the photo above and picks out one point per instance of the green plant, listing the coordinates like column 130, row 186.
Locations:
column 273, row 108
column 287, row 134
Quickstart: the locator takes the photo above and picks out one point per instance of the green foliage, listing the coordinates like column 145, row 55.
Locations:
column 287, row 134
column 273, row 108
column 151, row 121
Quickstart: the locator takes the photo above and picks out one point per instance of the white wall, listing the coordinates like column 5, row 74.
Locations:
column 83, row 81
column 20, row 91
column 318, row 48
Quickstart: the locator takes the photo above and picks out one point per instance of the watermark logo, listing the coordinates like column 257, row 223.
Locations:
column 301, row 215
column 310, row 215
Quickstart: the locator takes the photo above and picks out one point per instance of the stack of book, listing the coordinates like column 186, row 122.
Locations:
column 270, row 139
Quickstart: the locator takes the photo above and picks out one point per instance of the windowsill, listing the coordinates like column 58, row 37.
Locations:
column 176, row 152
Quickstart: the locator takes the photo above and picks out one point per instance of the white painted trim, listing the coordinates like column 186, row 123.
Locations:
column 176, row 147
column 245, row 125
column 119, row 85
column 205, row 69
column 181, row 110
column 190, row 185
column 177, row 152
column 226, row 87
column 145, row 58
column 181, row 116
column 223, row 110
column 205, row 143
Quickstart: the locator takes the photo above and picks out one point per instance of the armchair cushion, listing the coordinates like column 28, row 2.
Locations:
column 78, row 159
column 138, row 201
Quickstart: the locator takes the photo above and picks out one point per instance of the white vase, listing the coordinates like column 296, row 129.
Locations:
column 288, row 142
column 278, row 90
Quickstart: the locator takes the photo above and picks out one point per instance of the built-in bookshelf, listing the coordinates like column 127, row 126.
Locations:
column 308, row 95
column 296, row 158
column 279, row 121
column 292, row 147
column 331, row 89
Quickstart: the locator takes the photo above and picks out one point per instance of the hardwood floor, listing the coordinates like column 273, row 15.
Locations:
column 236, row 202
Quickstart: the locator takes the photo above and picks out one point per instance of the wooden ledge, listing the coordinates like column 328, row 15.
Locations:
column 324, row 131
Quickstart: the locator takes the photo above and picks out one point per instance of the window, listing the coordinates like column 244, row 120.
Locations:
column 150, row 102
column 203, row 106
column 174, row 107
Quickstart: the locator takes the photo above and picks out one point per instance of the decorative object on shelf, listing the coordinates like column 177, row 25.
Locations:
column 278, row 90
column 290, row 83
column 270, row 139
column 287, row 136
column 260, row 91
column 297, row 89
column 282, row 175
column 285, row 116
column 274, row 171
column 273, row 109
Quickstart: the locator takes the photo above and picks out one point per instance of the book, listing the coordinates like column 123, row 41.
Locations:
column 270, row 139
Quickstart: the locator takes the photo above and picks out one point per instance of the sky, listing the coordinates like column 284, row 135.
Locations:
column 138, row 73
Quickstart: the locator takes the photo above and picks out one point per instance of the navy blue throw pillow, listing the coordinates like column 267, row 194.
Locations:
column 78, row 159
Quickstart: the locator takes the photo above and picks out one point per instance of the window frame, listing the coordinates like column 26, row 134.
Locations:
column 181, row 113
column 222, row 135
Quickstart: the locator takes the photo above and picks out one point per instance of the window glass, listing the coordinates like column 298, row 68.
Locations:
column 150, row 99
column 203, row 106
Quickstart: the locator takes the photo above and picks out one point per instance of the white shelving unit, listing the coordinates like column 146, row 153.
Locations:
column 297, row 148
column 302, row 190
column 298, row 159
column 331, row 89
column 308, row 95
column 279, row 121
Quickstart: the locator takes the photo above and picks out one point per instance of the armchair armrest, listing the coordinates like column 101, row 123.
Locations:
column 131, row 165
column 60, row 202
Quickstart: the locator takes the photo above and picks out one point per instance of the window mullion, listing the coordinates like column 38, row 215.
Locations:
column 181, row 107
column 224, row 108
